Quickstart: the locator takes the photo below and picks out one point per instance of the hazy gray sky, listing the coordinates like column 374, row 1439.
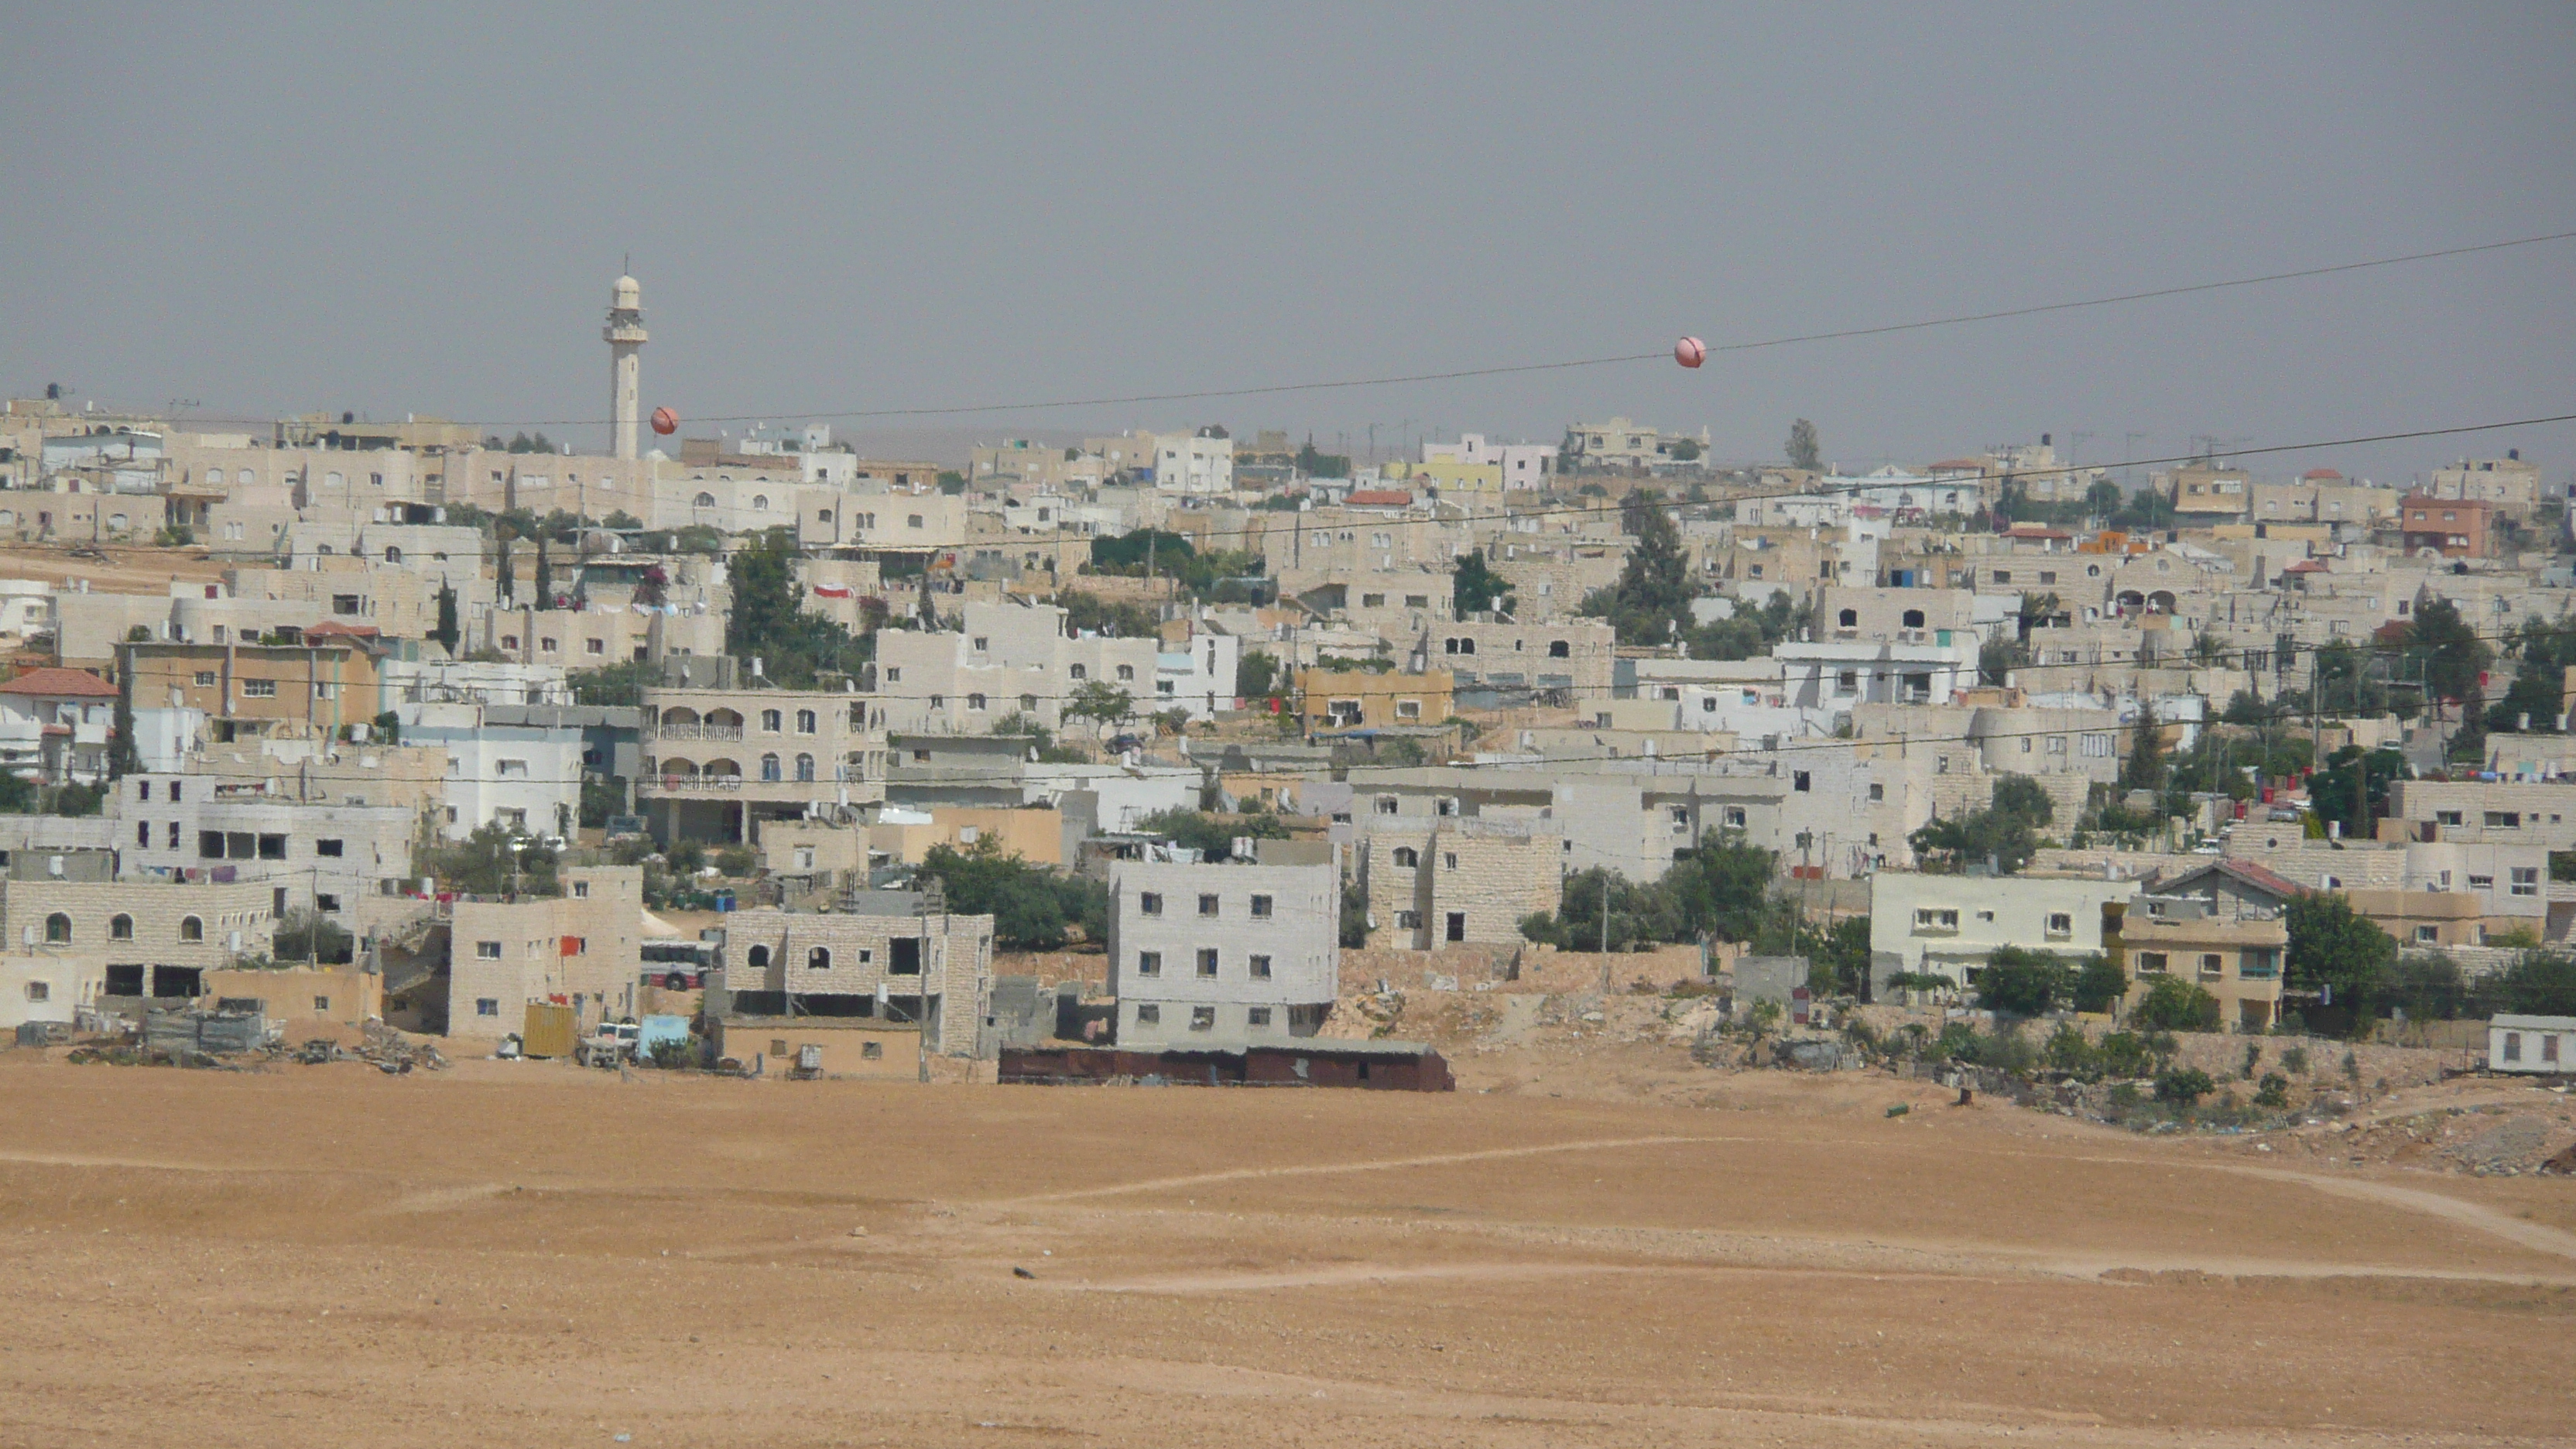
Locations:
column 396, row 209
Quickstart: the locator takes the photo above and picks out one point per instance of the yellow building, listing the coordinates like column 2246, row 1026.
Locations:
column 1036, row 836
column 1355, row 699
column 326, row 682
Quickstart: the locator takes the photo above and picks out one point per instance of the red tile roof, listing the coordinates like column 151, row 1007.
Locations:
column 2320, row 475
column 60, row 684
column 1380, row 498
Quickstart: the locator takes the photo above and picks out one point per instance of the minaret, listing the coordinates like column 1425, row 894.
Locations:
column 625, row 337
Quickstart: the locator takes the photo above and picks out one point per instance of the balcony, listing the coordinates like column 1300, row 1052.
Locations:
column 693, row 784
column 692, row 732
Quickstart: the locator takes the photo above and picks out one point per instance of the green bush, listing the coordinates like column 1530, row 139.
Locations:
column 2173, row 1004
column 2125, row 1054
column 674, row 1055
column 737, row 861
column 2272, row 1091
column 2068, row 1051
column 2295, row 1061
column 2184, row 1086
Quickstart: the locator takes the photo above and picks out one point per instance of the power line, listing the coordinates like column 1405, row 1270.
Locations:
column 1617, row 359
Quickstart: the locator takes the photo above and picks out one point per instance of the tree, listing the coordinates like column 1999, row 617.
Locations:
column 2337, row 953
column 2537, row 985
column 1122, row 620
column 447, row 634
column 2452, row 653
column 1722, row 888
column 769, row 623
column 1211, row 835
column 2025, row 797
column 1650, row 604
column 311, row 936
column 1806, row 450
column 1998, row 658
column 614, row 684
column 2173, row 1004
column 1683, row 450
column 494, row 861
column 2099, row 983
column 2019, row 982
column 2184, row 1086
column 1316, row 464
column 1033, row 908
column 1258, row 676
column 1100, row 701
column 545, row 576
column 2145, row 767
column 2352, row 790
column 1475, row 588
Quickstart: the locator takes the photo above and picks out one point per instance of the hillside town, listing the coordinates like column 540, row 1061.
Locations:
column 1189, row 754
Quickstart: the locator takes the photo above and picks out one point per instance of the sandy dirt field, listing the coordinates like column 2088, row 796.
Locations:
column 521, row 1253
column 126, row 569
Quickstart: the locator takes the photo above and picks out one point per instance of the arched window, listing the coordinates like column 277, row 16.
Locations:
column 1559, row 649
column 392, row 554
column 770, row 721
column 1914, row 618
column 757, row 958
column 703, row 500
column 805, row 721
column 769, row 767
column 819, row 959
column 58, row 929
column 1848, row 618
column 760, row 503
column 1126, row 671
column 1407, row 856
column 822, row 515
column 804, row 767
column 1080, row 672
column 120, row 927
column 191, row 929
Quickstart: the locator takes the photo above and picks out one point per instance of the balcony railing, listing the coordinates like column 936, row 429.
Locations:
column 693, row 732
column 679, row 783
column 675, row 784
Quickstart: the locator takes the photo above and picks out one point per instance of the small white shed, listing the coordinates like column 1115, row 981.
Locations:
column 2541, row 1045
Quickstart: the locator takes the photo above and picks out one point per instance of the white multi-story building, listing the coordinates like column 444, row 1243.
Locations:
column 1233, row 952
column 1007, row 659
column 326, row 857
column 517, row 776
column 1193, row 463
column 1197, row 674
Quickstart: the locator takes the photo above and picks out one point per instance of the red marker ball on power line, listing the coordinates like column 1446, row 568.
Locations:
column 667, row 422
column 1690, row 352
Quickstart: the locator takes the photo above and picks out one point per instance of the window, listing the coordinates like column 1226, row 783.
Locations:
column 1914, row 618
column 120, row 927
column 332, row 848
column 1202, row 1018
column 1261, row 906
column 1408, row 920
column 487, row 1006
column 1126, row 671
column 982, row 644
column 2212, row 966
column 757, row 958
column 1798, row 780
column 1385, row 804
column 804, row 767
column 2505, row 819
column 2526, row 880
column 1207, row 961
column 769, row 721
column 1149, row 903
column 1079, row 671
column 975, row 701
column 581, row 890
column 1930, row 920
column 1148, row 1014
column 1407, row 857
column 769, row 767
column 1207, row 905
column 819, row 959
column 2061, row 926
column 2482, row 882
column 596, row 646
column 805, row 722
column 1733, row 816
column 326, row 903
column 2151, row 963
column 1260, row 1016
column 512, row 769
column 1260, row 968
column 2428, row 936
column 1878, row 792
column 1149, row 963
column 259, row 688
column 487, row 950
column 206, row 678
column 1848, row 618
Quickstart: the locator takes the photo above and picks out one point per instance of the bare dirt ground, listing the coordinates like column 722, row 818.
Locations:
column 127, row 569
column 521, row 1253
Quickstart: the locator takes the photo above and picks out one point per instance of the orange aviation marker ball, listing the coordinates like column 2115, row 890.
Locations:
column 1690, row 352
column 667, row 422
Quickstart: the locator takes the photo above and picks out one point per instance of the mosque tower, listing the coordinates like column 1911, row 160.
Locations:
column 625, row 337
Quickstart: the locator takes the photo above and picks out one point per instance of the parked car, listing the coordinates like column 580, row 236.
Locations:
column 607, row 1045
